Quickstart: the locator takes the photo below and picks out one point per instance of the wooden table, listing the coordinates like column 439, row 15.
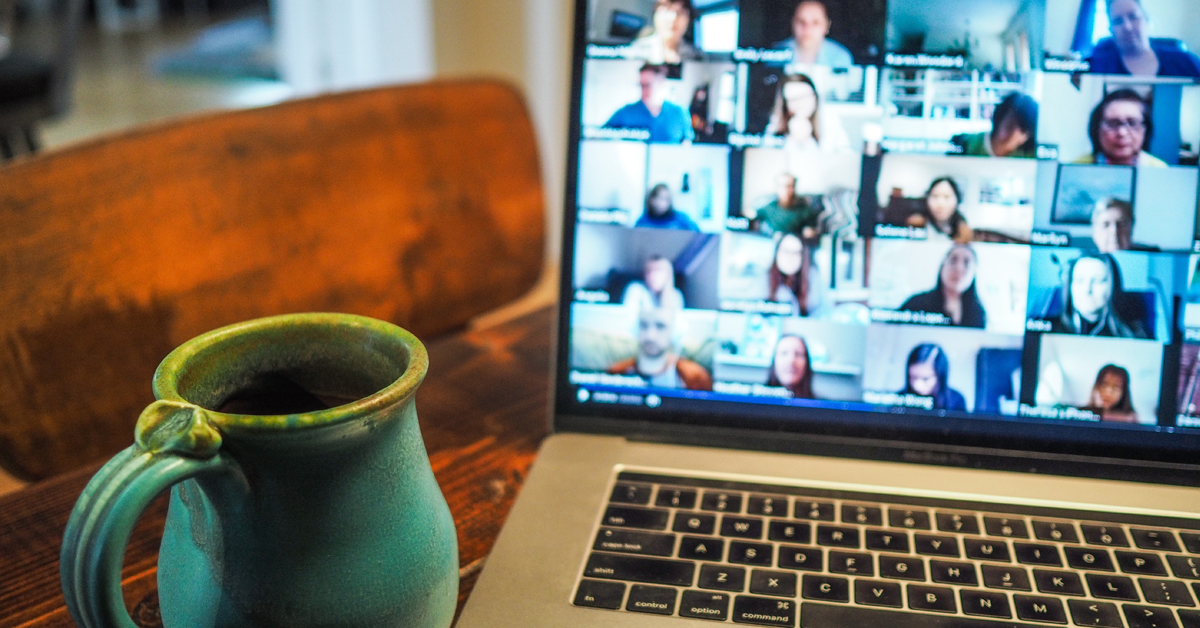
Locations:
column 483, row 411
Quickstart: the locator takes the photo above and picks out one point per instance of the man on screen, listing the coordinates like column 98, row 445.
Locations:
column 657, row 361
column 667, row 122
column 788, row 212
column 810, row 43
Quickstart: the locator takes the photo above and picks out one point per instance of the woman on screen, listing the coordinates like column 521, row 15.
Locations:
column 661, row 214
column 790, row 368
column 797, row 117
column 1095, row 304
column 955, row 295
column 928, row 375
column 791, row 279
column 657, row 288
column 1131, row 50
column 940, row 215
column 1013, row 134
column 664, row 42
column 1120, row 129
column 1110, row 396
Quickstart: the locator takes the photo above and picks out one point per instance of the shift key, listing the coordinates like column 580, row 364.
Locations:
column 627, row 517
column 679, row 573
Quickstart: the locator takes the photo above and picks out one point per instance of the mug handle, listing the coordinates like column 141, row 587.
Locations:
column 174, row 442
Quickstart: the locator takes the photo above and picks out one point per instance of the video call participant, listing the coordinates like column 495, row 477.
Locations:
column 657, row 289
column 667, row 122
column 792, row 278
column 1013, row 134
column 810, row 43
column 660, row 214
column 664, row 41
column 1094, row 303
column 790, row 367
column 1112, row 227
column 928, row 376
column 1131, row 50
column 797, row 118
column 955, row 295
column 788, row 212
column 940, row 216
column 1120, row 129
column 657, row 361
column 1110, row 396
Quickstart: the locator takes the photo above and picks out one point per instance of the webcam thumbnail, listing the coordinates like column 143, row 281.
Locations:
column 1144, row 38
column 662, row 31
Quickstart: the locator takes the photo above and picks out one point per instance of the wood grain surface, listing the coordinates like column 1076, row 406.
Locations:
column 483, row 412
column 420, row 205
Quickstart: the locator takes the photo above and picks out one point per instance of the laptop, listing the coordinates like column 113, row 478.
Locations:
column 873, row 313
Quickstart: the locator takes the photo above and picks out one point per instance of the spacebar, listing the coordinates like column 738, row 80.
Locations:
column 824, row 616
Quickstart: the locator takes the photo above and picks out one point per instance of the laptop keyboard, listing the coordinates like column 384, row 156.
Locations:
column 770, row 555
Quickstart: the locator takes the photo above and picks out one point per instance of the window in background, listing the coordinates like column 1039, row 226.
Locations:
column 718, row 31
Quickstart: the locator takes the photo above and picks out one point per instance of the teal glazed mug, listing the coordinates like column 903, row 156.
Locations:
column 301, row 492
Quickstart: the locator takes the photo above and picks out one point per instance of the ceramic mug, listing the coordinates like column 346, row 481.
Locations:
column 301, row 492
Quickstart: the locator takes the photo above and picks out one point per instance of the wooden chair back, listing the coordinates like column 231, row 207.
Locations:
column 420, row 205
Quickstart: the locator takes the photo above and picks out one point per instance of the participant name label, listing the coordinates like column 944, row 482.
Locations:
column 1050, row 238
column 741, row 140
column 1067, row 414
column 925, row 61
column 756, row 307
column 604, row 216
column 605, row 133
column 897, row 399
column 1063, row 64
column 903, row 232
column 920, row 318
column 762, row 55
column 592, row 296
column 751, row 390
column 908, row 145
column 606, row 379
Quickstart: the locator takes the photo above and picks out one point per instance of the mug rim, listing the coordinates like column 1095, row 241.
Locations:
column 167, row 375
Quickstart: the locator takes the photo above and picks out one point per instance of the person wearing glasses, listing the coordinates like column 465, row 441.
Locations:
column 1132, row 51
column 1120, row 129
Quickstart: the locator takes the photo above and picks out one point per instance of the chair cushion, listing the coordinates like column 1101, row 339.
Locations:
column 23, row 77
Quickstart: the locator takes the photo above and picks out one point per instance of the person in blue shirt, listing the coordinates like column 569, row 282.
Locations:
column 1132, row 51
column 660, row 214
column 667, row 122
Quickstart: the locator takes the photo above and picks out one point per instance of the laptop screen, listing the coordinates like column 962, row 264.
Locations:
column 944, row 219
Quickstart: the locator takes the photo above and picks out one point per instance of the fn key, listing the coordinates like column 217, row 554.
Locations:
column 600, row 594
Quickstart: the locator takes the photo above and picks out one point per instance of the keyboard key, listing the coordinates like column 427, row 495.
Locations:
column 741, row 527
column 862, row 515
column 1060, row 531
column 887, row 541
column 764, row 611
column 675, row 498
column 1037, row 608
column 1149, row 617
column 1141, row 563
column 1112, row 587
column 1189, row 619
column 694, row 524
column 1185, row 567
column 721, row 501
column 813, row 510
column 704, row 605
column 759, row 554
column 852, row 563
column 902, row 568
column 1100, row 614
column 767, row 505
column 656, row 600
column 631, row 542
column 1058, row 582
column 789, row 532
column 629, row 517
column 640, row 569
column 1161, row 540
column 831, row 536
column 1169, row 592
column 722, row 578
column 1007, row 527
column 987, row 549
column 947, row 572
column 802, row 558
column 908, row 519
column 931, row 545
column 1112, row 536
column 779, row 583
column 957, row 522
column 831, row 616
column 985, row 604
column 825, row 588
column 1011, row 578
column 1089, row 559
column 923, row 598
column 1191, row 541
column 701, row 548
column 875, row 593
column 631, row 494
column 600, row 594
column 1035, row 554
